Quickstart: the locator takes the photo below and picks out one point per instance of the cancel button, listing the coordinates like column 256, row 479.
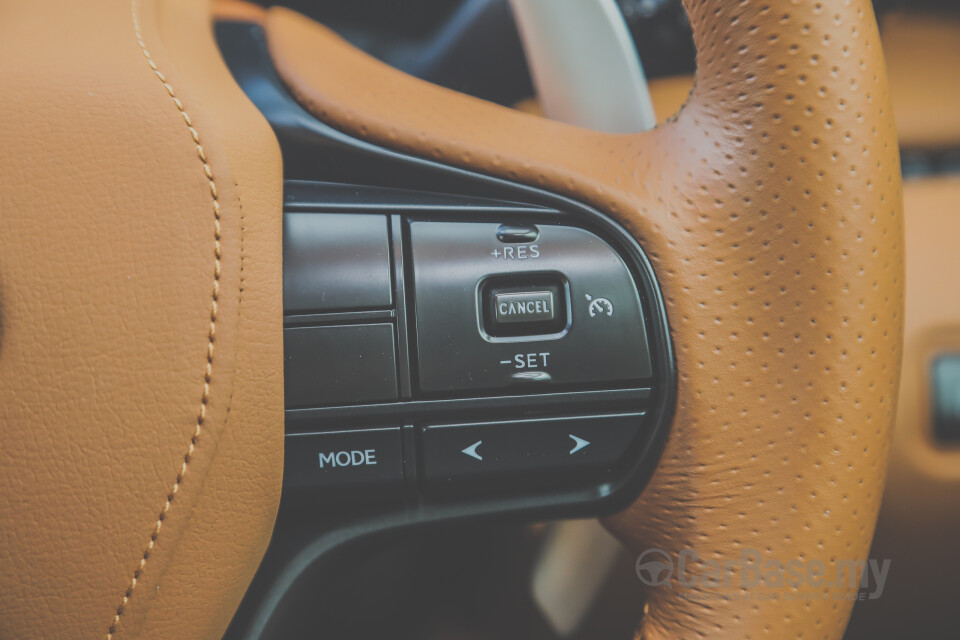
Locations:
column 523, row 307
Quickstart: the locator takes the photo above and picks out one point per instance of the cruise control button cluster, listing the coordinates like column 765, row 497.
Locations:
column 526, row 449
column 561, row 309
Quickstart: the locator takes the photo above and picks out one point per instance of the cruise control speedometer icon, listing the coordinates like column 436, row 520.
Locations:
column 599, row 306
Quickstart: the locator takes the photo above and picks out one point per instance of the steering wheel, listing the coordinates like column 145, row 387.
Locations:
column 141, row 342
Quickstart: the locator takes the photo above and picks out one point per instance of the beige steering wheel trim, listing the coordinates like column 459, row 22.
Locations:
column 771, row 209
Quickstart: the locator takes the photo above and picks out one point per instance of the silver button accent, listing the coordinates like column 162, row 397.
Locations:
column 531, row 376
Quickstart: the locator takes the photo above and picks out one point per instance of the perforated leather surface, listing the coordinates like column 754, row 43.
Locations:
column 771, row 210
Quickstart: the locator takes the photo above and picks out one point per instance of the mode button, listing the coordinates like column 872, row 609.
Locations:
column 355, row 459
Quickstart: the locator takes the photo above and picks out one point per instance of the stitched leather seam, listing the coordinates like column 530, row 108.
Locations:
column 211, row 333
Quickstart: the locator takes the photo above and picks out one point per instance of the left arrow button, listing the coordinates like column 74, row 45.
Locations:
column 472, row 450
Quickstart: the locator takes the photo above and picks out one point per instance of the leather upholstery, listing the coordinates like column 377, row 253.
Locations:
column 141, row 399
column 771, row 209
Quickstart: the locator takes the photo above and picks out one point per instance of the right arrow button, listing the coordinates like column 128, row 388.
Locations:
column 578, row 443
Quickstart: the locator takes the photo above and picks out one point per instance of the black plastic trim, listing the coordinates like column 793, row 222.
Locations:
column 399, row 295
column 322, row 417
column 338, row 317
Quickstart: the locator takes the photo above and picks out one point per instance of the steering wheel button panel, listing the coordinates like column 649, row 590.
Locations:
column 363, row 458
column 501, row 318
column 526, row 450
column 460, row 274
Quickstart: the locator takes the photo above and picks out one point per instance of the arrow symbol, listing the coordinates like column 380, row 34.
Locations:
column 579, row 443
column 472, row 450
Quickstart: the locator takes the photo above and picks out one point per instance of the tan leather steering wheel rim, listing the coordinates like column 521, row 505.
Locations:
column 141, row 349
column 771, row 209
